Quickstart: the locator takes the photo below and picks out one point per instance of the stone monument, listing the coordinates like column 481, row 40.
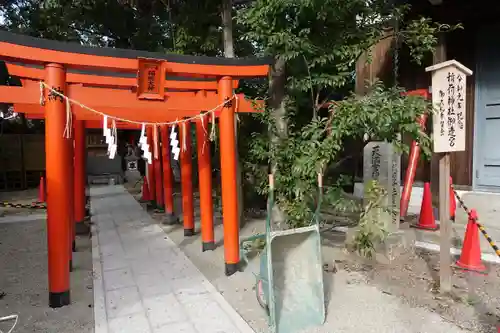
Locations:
column 132, row 173
column 383, row 164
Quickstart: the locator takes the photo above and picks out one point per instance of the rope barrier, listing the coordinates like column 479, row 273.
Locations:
column 475, row 219
column 14, row 318
column 227, row 101
column 34, row 205
column 488, row 238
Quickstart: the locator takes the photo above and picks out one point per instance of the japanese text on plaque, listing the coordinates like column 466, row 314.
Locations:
column 151, row 78
column 451, row 107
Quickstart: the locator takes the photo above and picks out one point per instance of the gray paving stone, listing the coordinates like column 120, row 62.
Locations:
column 118, row 278
column 137, row 323
column 123, row 302
column 117, row 262
column 176, row 327
column 152, row 285
column 148, row 284
column 159, row 314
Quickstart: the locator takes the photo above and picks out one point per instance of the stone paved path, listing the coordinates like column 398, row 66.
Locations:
column 143, row 283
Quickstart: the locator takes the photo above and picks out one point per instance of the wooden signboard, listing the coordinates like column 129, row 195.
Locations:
column 448, row 98
column 151, row 79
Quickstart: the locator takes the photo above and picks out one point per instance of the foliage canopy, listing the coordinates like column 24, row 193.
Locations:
column 312, row 112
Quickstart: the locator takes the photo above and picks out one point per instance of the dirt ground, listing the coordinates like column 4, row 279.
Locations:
column 473, row 305
column 24, row 281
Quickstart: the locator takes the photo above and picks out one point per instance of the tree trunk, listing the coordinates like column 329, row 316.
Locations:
column 227, row 31
column 227, row 28
column 277, row 92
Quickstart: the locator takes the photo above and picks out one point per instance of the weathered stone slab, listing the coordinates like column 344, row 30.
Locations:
column 383, row 164
column 132, row 157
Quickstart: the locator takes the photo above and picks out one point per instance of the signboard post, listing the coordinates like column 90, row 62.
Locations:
column 448, row 98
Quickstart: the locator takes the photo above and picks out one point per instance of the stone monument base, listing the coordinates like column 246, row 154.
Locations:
column 132, row 176
column 82, row 228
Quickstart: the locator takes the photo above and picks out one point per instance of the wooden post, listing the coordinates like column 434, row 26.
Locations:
column 158, row 172
column 439, row 56
column 229, row 176
column 449, row 132
column 151, row 169
column 79, row 191
column 205, row 184
column 58, row 188
column 186, row 178
column 445, row 223
column 168, row 182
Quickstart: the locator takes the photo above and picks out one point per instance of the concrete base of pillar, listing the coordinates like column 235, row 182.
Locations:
column 207, row 246
column 159, row 209
column 188, row 232
column 170, row 219
column 58, row 300
column 230, row 269
column 151, row 205
column 82, row 229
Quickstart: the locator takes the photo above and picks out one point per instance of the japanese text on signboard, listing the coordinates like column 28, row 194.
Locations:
column 449, row 100
column 451, row 119
column 451, row 107
column 151, row 87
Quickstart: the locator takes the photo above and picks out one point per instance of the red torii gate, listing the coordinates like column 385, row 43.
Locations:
column 144, row 87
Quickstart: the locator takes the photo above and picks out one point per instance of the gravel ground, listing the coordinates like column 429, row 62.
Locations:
column 23, row 282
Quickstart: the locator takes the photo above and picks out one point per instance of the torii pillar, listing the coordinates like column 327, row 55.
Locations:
column 157, row 169
column 71, row 163
column 186, row 179
column 150, row 169
column 229, row 174
column 205, row 184
column 80, row 174
column 59, row 202
column 168, row 181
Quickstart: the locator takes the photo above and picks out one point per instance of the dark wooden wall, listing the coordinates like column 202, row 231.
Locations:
column 22, row 161
column 465, row 52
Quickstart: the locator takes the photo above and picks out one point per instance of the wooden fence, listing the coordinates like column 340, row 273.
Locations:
column 22, row 161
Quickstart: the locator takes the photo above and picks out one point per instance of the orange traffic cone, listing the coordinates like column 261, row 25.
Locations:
column 470, row 258
column 426, row 220
column 146, row 195
column 453, row 201
column 41, row 190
